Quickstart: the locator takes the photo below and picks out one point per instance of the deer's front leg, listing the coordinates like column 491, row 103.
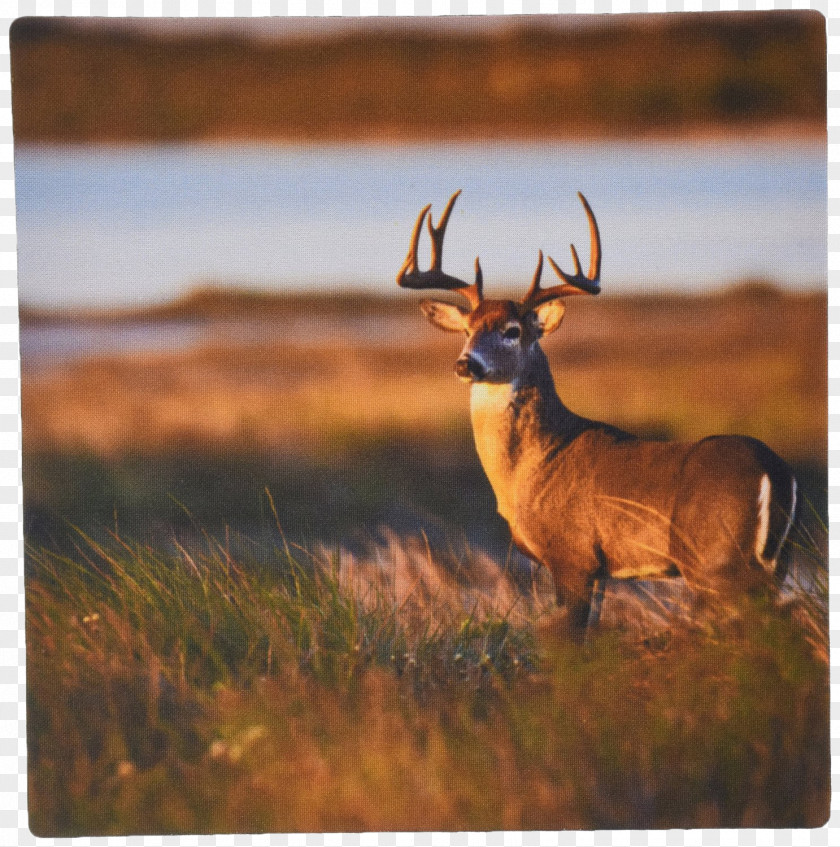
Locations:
column 578, row 604
column 574, row 600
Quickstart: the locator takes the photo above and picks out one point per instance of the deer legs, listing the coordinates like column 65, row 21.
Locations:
column 581, row 600
column 598, row 590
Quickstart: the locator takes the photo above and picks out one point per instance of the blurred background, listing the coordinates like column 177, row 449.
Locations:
column 211, row 214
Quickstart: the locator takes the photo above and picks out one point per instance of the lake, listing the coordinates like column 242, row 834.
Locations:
column 55, row 342
column 136, row 225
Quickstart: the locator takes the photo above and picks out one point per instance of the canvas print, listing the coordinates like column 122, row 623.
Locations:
column 329, row 528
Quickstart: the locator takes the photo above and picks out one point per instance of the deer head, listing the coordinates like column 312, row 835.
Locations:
column 501, row 334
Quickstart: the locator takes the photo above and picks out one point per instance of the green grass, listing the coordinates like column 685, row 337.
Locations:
column 227, row 686
column 344, row 497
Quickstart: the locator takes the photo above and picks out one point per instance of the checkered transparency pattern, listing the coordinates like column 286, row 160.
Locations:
column 13, row 809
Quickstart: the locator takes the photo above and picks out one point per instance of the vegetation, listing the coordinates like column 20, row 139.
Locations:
column 530, row 77
column 215, row 301
column 354, row 429
column 228, row 687
column 266, row 589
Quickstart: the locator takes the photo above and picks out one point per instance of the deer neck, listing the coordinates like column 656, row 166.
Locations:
column 516, row 424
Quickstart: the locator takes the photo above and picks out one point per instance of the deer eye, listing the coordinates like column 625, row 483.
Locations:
column 512, row 333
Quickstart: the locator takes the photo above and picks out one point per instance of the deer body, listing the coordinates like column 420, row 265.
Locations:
column 583, row 498
column 590, row 502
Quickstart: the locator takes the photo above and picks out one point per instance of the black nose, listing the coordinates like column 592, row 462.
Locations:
column 468, row 367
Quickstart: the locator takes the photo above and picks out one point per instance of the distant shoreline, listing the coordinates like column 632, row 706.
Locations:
column 736, row 75
column 781, row 132
column 210, row 303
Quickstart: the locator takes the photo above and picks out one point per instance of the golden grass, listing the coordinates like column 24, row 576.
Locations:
column 225, row 688
column 187, row 684
column 682, row 368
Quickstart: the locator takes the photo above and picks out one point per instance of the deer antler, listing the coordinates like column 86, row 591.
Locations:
column 411, row 277
column 576, row 284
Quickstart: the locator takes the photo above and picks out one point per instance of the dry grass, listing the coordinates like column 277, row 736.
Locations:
column 256, row 681
column 230, row 688
column 684, row 368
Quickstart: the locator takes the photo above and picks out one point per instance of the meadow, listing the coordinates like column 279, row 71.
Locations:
column 266, row 588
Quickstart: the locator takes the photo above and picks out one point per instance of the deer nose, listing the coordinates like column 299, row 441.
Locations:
column 468, row 367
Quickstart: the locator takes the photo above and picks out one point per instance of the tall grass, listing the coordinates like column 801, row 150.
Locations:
column 229, row 687
column 807, row 586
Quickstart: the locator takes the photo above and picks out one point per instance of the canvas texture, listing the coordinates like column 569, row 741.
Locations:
column 288, row 564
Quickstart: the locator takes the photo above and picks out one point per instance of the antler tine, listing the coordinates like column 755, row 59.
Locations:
column 535, row 282
column 437, row 232
column 409, row 266
column 575, row 259
column 594, row 243
column 475, row 292
column 575, row 283
column 409, row 275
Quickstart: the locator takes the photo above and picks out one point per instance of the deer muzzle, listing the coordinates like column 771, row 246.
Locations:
column 470, row 368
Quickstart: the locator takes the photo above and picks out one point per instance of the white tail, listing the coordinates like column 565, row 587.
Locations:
column 584, row 498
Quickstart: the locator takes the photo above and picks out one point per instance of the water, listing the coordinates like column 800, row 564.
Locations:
column 54, row 343
column 47, row 344
column 130, row 226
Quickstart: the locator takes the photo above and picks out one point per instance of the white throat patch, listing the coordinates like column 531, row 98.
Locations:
column 490, row 398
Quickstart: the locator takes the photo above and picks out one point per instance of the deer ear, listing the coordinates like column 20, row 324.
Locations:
column 550, row 315
column 445, row 315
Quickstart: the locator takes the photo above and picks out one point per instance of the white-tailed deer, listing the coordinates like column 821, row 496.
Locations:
column 585, row 499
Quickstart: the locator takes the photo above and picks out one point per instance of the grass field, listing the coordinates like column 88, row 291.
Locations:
column 266, row 589
column 350, row 413
column 212, row 690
